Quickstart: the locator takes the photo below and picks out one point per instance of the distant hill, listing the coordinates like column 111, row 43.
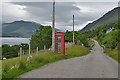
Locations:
column 20, row 29
column 110, row 17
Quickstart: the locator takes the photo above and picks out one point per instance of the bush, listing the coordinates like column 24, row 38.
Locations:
column 111, row 39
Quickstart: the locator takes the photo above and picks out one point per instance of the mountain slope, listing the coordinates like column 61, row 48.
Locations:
column 110, row 17
column 20, row 28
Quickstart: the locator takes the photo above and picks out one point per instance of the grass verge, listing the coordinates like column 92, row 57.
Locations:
column 114, row 53
column 38, row 61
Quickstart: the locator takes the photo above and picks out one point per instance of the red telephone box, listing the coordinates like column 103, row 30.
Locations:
column 59, row 42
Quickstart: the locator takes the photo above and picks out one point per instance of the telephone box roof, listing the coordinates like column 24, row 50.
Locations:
column 59, row 32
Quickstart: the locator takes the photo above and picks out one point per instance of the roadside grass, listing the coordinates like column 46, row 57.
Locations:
column 114, row 53
column 38, row 61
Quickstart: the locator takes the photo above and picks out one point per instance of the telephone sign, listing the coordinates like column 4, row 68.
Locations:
column 59, row 42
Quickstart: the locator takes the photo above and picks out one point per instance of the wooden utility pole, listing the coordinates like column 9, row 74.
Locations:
column 73, row 30
column 53, row 28
column 20, row 54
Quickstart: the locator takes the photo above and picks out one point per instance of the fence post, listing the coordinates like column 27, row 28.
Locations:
column 45, row 49
column 20, row 54
column 23, row 52
column 37, row 51
column 29, row 53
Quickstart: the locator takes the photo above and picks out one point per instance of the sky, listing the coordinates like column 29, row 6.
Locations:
column 41, row 12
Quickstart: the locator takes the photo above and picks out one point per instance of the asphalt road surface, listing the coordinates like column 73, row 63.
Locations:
column 93, row 65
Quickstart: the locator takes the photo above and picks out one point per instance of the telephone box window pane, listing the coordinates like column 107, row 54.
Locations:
column 59, row 44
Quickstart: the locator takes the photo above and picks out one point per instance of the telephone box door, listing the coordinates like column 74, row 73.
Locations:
column 59, row 42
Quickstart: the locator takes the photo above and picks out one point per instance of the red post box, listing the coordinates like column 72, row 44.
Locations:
column 79, row 42
column 59, row 42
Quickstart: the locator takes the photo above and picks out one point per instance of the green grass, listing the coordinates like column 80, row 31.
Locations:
column 38, row 61
column 113, row 53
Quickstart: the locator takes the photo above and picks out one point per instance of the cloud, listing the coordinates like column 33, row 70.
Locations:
column 12, row 12
column 41, row 12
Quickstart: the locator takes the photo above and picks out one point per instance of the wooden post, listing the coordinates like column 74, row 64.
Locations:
column 29, row 53
column 23, row 52
column 37, row 51
column 20, row 54
column 45, row 49
column 73, row 30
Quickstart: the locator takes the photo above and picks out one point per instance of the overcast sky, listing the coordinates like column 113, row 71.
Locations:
column 41, row 12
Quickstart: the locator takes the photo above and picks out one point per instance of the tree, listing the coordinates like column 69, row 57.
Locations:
column 10, row 51
column 42, row 38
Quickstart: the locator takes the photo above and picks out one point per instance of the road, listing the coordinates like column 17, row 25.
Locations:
column 93, row 65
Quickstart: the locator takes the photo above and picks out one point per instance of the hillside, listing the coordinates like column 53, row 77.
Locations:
column 110, row 17
column 20, row 29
